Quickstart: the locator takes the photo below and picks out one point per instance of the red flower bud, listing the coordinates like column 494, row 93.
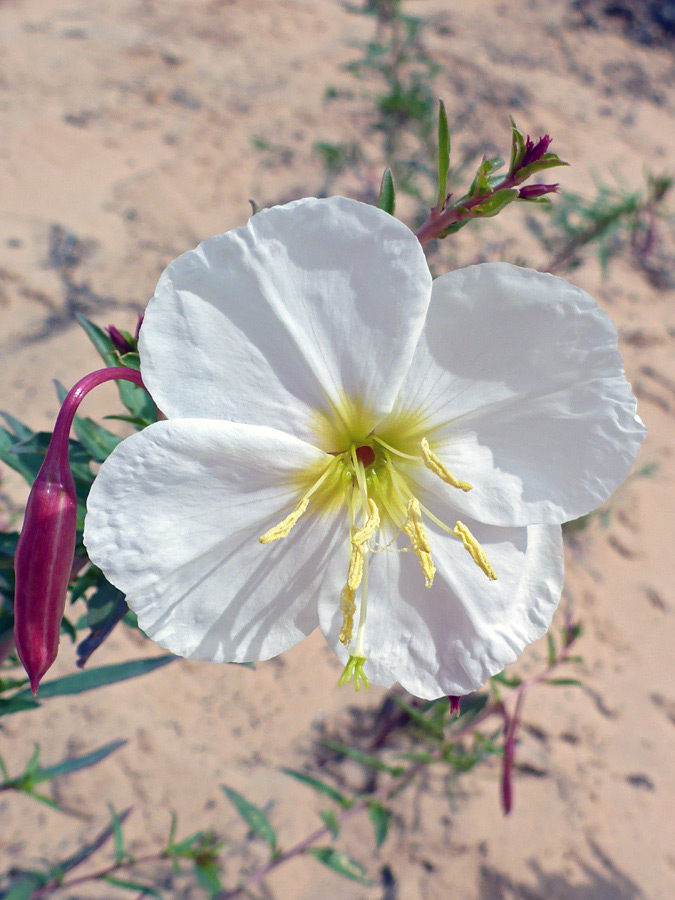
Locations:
column 120, row 343
column 43, row 562
column 455, row 704
column 44, row 555
column 537, row 190
column 534, row 150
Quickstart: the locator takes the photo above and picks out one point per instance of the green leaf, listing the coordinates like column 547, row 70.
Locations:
column 365, row 758
column 495, row 203
column 208, row 875
column 551, row 649
column 87, row 850
column 320, row 786
column 454, row 228
column 341, row 863
column 387, row 197
column 508, row 681
column 144, row 890
column 548, row 161
column 76, row 763
column 330, row 820
column 23, row 432
column 517, row 146
column 569, row 682
column 91, row 679
column 31, row 453
column 418, row 717
column 100, row 340
column 24, row 887
column 443, row 154
column 15, row 704
column 380, row 817
column 103, row 601
column 254, row 817
column 118, row 836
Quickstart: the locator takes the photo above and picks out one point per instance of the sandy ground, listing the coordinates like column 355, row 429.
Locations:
column 136, row 126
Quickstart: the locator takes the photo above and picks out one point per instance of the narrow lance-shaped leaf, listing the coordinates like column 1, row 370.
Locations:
column 254, row 817
column 330, row 820
column 379, row 816
column 95, row 678
column 75, row 764
column 387, row 197
column 320, row 786
column 341, row 863
column 443, row 154
column 372, row 762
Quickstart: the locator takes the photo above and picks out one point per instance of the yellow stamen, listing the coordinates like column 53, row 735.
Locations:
column 419, row 540
column 355, row 571
column 364, row 534
column 283, row 529
column 348, row 607
column 432, row 462
column 477, row 553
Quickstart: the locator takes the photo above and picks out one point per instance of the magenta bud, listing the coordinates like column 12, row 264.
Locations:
column 455, row 703
column 537, row 190
column 534, row 150
column 120, row 343
column 43, row 563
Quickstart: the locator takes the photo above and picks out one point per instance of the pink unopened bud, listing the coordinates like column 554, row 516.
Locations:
column 120, row 343
column 44, row 555
column 534, row 150
column 43, row 562
column 537, row 190
column 455, row 703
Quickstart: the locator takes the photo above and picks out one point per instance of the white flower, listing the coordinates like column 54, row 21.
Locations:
column 343, row 438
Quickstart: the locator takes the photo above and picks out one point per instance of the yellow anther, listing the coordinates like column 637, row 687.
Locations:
column 477, row 553
column 416, row 529
column 348, row 607
column 363, row 535
column 355, row 571
column 282, row 530
column 419, row 540
column 432, row 462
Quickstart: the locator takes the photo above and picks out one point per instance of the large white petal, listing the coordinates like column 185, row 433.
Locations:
column 306, row 306
column 518, row 379
column 450, row 638
column 174, row 518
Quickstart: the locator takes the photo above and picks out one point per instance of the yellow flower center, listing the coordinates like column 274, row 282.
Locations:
column 372, row 476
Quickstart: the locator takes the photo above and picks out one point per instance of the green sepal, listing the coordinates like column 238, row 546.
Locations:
column 495, row 203
column 517, row 146
column 387, row 197
column 443, row 154
column 548, row 161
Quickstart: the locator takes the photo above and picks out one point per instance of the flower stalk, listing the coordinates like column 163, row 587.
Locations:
column 44, row 554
